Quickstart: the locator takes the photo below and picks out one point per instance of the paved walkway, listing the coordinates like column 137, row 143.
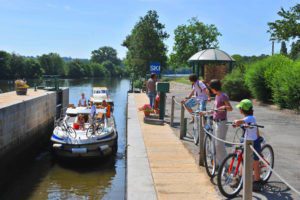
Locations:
column 174, row 172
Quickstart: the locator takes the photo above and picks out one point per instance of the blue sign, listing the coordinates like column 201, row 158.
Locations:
column 155, row 67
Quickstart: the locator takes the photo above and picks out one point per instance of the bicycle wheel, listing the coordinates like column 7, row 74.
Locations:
column 229, row 176
column 196, row 131
column 239, row 133
column 90, row 131
column 267, row 154
column 209, row 157
column 71, row 132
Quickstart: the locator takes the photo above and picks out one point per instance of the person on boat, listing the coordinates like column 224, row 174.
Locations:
column 82, row 101
column 81, row 121
column 93, row 110
column 103, row 105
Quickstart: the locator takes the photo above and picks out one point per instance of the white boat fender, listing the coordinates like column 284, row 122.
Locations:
column 57, row 146
column 79, row 150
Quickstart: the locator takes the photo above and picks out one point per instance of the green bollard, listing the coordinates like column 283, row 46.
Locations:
column 162, row 105
column 162, row 88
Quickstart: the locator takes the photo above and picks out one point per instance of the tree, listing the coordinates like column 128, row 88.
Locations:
column 283, row 49
column 17, row 66
column 76, row 69
column 191, row 38
column 295, row 50
column 52, row 64
column 105, row 54
column 145, row 44
column 5, row 59
column 110, row 67
column 288, row 27
column 33, row 68
column 98, row 70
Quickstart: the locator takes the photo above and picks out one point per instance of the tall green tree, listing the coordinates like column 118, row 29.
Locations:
column 105, row 54
column 145, row 44
column 283, row 49
column 52, row 64
column 191, row 38
column 288, row 27
column 5, row 59
column 295, row 50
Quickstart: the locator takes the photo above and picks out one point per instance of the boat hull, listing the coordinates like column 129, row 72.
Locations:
column 92, row 150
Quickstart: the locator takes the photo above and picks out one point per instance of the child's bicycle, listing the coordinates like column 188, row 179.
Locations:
column 229, row 175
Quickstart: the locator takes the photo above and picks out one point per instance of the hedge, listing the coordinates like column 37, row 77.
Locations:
column 259, row 76
column 286, row 87
column 234, row 85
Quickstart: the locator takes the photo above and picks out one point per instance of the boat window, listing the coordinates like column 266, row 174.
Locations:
column 100, row 91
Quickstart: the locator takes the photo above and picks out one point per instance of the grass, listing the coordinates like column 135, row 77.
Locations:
column 183, row 80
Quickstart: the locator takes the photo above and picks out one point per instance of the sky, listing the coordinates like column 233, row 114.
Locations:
column 74, row 28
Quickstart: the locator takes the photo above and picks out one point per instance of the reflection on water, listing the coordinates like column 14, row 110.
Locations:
column 44, row 178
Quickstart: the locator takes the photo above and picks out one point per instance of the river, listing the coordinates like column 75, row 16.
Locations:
column 43, row 177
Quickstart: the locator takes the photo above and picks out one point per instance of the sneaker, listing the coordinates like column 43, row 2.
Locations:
column 256, row 187
column 235, row 182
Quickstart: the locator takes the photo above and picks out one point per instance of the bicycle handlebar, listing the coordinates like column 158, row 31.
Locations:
column 209, row 111
column 246, row 126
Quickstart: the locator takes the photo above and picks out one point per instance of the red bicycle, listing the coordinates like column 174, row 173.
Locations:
column 230, row 180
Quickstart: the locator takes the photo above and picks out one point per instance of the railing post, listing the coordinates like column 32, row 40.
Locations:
column 172, row 110
column 182, row 125
column 247, row 171
column 201, row 141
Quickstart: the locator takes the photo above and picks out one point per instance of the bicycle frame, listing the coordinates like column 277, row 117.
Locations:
column 239, row 153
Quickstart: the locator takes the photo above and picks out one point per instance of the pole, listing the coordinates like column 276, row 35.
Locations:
column 182, row 133
column 172, row 110
column 272, row 47
column 247, row 171
column 162, row 101
column 201, row 141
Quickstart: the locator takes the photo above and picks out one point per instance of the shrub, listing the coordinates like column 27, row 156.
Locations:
column 259, row 76
column 285, row 86
column 138, row 84
column 234, row 85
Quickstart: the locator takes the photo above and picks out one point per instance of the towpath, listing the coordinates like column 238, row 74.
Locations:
column 158, row 164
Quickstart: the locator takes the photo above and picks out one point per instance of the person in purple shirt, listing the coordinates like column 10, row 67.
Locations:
column 223, row 105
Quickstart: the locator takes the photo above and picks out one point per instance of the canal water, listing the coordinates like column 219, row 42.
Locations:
column 43, row 177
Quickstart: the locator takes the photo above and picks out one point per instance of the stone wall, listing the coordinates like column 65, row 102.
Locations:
column 215, row 72
column 65, row 101
column 25, row 120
